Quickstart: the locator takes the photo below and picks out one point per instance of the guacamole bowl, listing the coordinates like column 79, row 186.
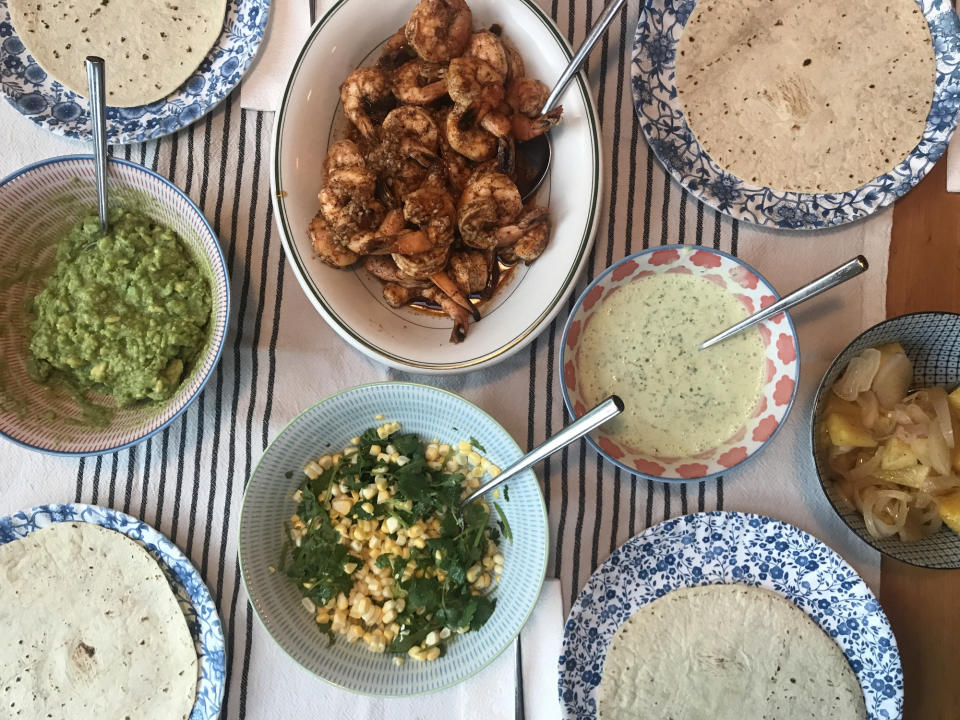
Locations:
column 39, row 205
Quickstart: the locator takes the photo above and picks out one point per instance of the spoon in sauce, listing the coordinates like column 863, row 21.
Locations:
column 97, row 116
column 848, row 270
column 609, row 408
column 533, row 156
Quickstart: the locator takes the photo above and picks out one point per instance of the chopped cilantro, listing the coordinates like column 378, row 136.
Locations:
column 476, row 444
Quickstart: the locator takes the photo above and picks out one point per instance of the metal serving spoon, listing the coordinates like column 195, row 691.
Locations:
column 609, row 408
column 849, row 269
column 98, row 121
column 533, row 156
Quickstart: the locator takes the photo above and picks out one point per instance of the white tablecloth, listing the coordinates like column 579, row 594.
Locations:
column 280, row 358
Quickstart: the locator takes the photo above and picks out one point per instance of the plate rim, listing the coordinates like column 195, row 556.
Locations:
column 215, row 99
column 223, row 339
column 798, row 201
column 563, row 344
column 372, row 349
column 725, row 516
column 528, row 474
column 842, row 512
column 201, row 597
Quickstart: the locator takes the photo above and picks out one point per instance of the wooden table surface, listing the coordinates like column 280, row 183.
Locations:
column 924, row 605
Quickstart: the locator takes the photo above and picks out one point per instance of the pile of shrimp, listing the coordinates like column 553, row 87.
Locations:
column 422, row 190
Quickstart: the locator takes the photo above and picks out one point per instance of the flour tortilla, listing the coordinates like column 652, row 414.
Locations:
column 726, row 652
column 149, row 47
column 803, row 95
column 91, row 629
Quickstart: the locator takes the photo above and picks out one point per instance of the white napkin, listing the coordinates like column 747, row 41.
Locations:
column 953, row 164
column 490, row 695
column 287, row 28
column 24, row 143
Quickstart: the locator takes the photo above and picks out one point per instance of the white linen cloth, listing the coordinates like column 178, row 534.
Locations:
column 287, row 28
column 281, row 358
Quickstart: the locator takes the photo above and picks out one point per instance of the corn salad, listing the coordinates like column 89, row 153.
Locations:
column 377, row 550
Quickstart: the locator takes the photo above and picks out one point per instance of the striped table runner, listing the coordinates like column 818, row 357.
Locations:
column 280, row 358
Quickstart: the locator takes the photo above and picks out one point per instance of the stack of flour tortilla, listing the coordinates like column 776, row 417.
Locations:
column 90, row 628
column 726, row 652
column 803, row 95
column 149, row 47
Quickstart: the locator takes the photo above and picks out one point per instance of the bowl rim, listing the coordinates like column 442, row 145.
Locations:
column 364, row 344
column 527, row 473
column 223, row 265
column 821, row 478
column 579, row 303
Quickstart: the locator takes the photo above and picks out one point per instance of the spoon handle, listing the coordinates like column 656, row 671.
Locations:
column 849, row 269
column 97, row 112
column 609, row 408
column 596, row 32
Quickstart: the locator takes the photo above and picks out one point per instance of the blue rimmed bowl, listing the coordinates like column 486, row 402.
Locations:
column 267, row 507
column 932, row 343
column 780, row 373
column 38, row 205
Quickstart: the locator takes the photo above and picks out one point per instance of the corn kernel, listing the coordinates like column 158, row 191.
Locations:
column 326, row 462
column 349, row 568
column 445, row 633
column 415, row 652
column 432, row 638
column 473, row 573
column 432, row 654
column 398, row 661
column 367, row 507
column 391, row 525
column 375, row 450
column 431, row 452
column 473, row 458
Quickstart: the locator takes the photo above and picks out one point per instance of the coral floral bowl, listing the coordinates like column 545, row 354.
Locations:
column 780, row 373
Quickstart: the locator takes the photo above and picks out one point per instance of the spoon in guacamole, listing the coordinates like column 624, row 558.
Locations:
column 95, row 80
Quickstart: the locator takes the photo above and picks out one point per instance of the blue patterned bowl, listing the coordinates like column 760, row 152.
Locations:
column 725, row 547
column 29, row 89
column 194, row 598
column 655, row 98
column 38, row 204
column 932, row 342
column 267, row 506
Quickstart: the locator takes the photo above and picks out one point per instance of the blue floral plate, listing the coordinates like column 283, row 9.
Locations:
column 195, row 601
column 661, row 116
column 53, row 107
column 725, row 547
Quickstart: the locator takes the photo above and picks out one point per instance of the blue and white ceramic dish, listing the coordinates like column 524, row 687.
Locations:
column 662, row 119
column 53, row 107
column 267, row 506
column 38, row 205
column 932, row 342
column 194, row 598
column 725, row 547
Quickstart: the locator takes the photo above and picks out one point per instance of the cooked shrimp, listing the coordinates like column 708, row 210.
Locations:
column 390, row 237
column 527, row 238
column 456, row 165
column 439, row 29
column 468, row 77
column 487, row 47
column 527, row 96
column 347, row 203
column 453, row 291
column 341, row 155
column 515, row 68
column 456, row 312
column 328, row 247
column 411, row 123
column 486, row 205
column 470, row 270
column 432, row 209
column 525, row 128
column 384, row 268
column 466, row 138
column 423, row 265
column 398, row 295
column 396, row 50
column 364, row 88
column 419, row 82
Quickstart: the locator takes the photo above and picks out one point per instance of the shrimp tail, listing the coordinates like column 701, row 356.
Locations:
column 525, row 128
column 461, row 320
column 450, row 289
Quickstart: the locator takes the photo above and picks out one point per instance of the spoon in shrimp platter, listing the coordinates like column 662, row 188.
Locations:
column 533, row 153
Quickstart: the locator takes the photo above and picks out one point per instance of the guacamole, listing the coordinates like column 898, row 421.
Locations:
column 124, row 314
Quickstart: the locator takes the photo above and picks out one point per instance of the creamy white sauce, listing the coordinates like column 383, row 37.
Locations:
column 641, row 344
